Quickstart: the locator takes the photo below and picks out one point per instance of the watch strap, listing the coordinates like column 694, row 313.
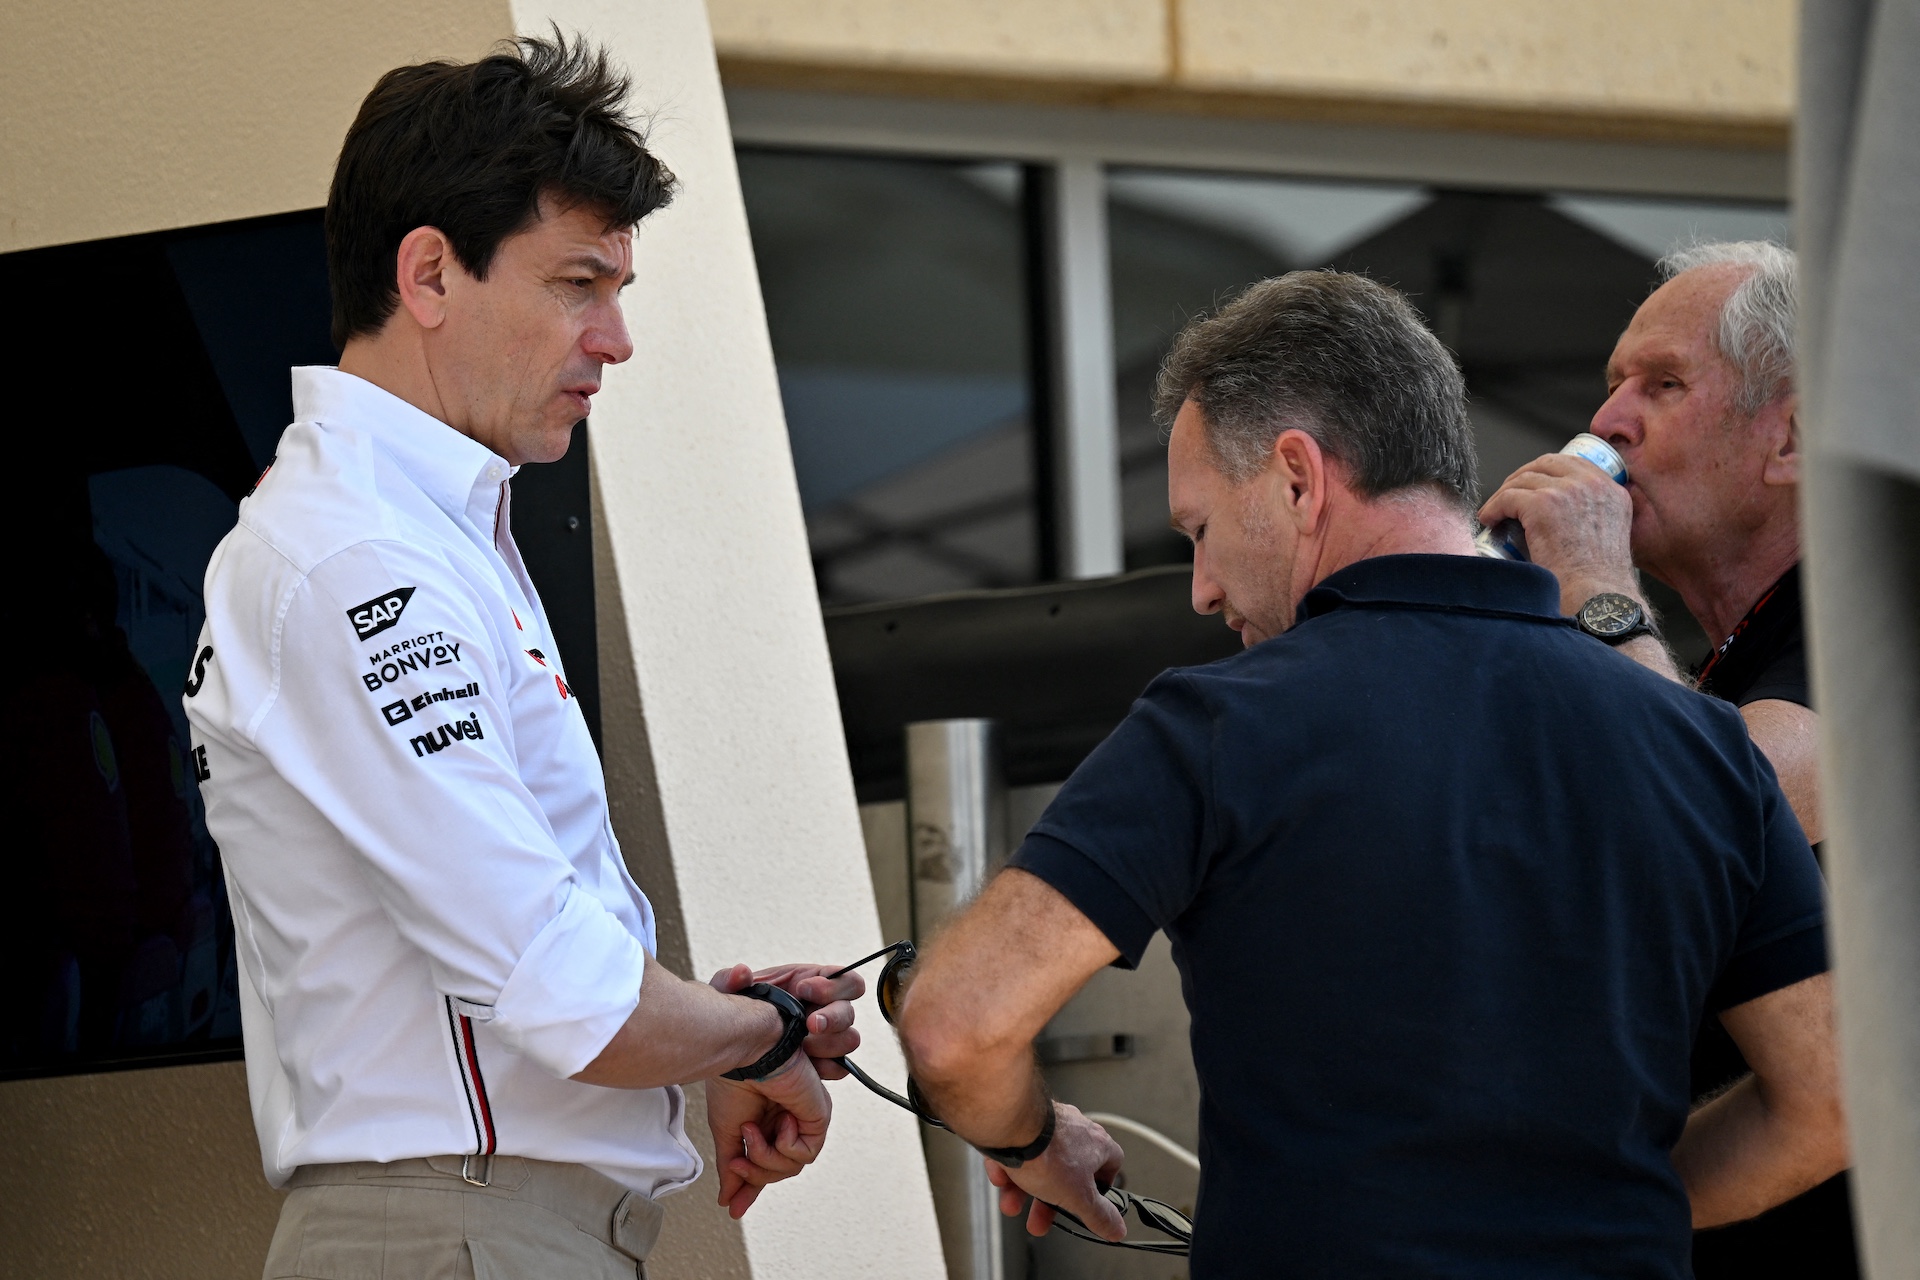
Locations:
column 1014, row 1157
column 793, row 1032
column 1634, row 632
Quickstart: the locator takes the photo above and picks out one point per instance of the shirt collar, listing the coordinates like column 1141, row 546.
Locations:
column 1470, row 584
column 450, row 468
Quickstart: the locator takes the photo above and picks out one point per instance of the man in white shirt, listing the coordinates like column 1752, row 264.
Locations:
column 462, row 1055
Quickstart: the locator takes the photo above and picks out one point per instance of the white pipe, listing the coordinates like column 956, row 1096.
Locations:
column 1152, row 1135
column 1086, row 430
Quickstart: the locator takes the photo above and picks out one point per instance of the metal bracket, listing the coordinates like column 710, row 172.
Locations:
column 1055, row 1050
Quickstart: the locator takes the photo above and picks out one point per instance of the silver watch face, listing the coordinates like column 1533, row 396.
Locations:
column 1610, row 614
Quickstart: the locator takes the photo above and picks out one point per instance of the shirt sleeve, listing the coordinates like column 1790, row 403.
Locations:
column 1782, row 939
column 454, row 845
column 1784, row 679
column 1126, row 839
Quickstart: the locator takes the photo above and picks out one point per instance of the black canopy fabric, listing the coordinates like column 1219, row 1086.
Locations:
column 1857, row 206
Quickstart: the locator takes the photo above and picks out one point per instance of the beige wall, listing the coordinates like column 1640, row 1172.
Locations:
column 728, row 768
column 1715, row 71
column 119, row 117
column 133, row 1175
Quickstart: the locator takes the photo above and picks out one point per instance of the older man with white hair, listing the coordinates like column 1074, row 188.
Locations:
column 1701, row 404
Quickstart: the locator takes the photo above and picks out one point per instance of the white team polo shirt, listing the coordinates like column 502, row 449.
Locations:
column 434, row 925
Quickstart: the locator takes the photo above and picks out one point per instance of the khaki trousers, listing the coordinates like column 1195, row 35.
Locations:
column 421, row 1220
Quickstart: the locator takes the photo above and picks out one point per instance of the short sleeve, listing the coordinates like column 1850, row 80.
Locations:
column 1126, row 839
column 1782, row 939
column 1784, row 679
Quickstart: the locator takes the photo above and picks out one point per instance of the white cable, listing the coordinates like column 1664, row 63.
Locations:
column 1152, row 1135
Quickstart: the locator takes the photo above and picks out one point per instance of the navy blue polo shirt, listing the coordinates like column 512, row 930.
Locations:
column 1450, row 885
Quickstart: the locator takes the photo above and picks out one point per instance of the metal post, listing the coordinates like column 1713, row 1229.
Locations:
column 1086, row 432
column 957, row 817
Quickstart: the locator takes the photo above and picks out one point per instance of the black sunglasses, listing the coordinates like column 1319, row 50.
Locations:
column 901, row 956
column 1157, row 1214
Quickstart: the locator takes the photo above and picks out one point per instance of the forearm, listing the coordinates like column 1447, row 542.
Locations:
column 1781, row 1130
column 1739, row 1158
column 680, row 1032
column 994, row 1099
column 984, row 990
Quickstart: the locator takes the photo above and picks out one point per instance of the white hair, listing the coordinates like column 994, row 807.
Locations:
column 1757, row 319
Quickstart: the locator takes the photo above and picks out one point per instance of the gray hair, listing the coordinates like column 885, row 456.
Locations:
column 1338, row 356
column 1757, row 319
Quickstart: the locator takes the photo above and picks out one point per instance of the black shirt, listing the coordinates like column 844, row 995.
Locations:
column 1811, row 1237
column 1450, row 885
column 1766, row 656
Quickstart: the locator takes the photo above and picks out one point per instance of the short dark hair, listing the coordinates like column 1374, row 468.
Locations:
column 471, row 148
column 1341, row 357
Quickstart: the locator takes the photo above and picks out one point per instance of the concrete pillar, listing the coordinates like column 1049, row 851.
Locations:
column 1857, row 178
column 725, row 758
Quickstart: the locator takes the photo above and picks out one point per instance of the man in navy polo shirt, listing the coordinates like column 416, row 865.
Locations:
column 1449, row 881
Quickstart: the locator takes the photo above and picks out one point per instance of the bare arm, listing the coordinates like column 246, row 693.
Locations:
column 680, row 1032
column 1788, row 735
column 1781, row 1130
column 986, row 988
column 683, row 1031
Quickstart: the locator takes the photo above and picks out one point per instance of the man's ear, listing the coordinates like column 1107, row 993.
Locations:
column 1298, row 468
column 1782, row 419
column 421, row 267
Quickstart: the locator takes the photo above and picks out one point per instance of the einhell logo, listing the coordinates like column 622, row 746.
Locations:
column 379, row 613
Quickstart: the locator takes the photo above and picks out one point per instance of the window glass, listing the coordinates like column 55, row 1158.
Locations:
column 140, row 423
column 897, row 298
column 1529, row 290
column 117, row 938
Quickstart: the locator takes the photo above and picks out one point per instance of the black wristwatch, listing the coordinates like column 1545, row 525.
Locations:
column 793, row 1030
column 1613, row 618
column 1014, row 1157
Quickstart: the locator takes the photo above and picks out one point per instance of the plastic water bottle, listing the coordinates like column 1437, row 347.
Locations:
column 1508, row 541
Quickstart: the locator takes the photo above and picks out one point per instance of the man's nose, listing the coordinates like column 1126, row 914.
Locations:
column 608, row 340
column 1617, row 420
column 1207, row 595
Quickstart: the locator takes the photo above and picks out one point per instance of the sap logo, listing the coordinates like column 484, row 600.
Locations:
column 379, row 613
column 439, row 739
column 437, row 655
column 395, row 712
column 199, row 677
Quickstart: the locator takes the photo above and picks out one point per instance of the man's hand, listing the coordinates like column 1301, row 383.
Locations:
column 1579, row 525
column 830, row 1030
column 766, row 1130
column 1080, row 1160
